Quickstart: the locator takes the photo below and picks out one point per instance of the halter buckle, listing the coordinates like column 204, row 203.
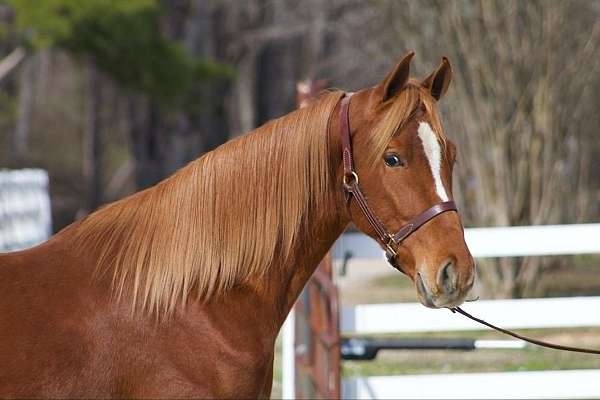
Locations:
column 350, row 178
column 390, row 252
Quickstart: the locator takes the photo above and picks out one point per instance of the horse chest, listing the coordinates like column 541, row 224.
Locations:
column 193, row 355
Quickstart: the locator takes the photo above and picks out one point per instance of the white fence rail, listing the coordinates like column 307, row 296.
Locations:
column 567, row 312
column 568, row 384
column 513, row 241
column 25, row 216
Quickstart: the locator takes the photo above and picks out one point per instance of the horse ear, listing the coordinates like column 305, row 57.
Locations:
column 396, row 79
column 439, row 80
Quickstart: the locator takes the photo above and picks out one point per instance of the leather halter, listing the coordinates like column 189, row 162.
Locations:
column 352, row 190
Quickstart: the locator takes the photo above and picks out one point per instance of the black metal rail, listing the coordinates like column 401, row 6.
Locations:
column 367, row 348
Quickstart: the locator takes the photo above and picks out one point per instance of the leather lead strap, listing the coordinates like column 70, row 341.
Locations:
column 525, row 338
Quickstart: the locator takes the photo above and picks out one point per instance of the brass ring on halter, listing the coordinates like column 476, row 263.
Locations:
column 389, row 247
column 350, row 178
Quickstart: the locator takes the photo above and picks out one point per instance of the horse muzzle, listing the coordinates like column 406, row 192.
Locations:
column 449, row 289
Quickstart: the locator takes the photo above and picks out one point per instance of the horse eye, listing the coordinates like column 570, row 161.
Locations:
column 393, row 160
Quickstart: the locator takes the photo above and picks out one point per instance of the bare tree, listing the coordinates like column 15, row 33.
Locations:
column 11, row 61
column 25, row 109
column 92, row 138
column 523, row 107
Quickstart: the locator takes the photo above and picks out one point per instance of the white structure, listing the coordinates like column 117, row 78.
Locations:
column 567, row 312
column 511, row 314
column 573, row 384
column 509, row 241
column 25, row 215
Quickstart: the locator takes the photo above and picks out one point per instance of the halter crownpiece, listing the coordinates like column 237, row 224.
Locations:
column 352, row 190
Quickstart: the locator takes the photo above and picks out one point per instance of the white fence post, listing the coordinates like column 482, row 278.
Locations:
column 25, row 215
column 288, row 358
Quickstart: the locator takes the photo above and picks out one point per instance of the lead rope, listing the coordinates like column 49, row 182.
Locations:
column 525, row 338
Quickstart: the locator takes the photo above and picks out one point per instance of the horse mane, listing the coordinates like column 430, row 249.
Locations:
column 219, row 220
column 207, row 227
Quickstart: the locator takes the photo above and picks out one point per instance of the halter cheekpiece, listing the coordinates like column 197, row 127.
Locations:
column 352, row 190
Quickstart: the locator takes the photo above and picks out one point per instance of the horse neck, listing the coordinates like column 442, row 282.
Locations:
column 286, row 279
column 312, row 250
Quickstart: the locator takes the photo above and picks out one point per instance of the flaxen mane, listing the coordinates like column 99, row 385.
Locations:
column 228, row 215
column 224, row 217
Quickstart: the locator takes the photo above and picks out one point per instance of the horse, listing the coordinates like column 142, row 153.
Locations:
column 181, row 289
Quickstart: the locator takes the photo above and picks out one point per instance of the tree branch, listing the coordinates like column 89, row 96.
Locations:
column 11, row 61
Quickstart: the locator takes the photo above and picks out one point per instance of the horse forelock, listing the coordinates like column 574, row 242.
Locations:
column 400, row 111
column 224, row 218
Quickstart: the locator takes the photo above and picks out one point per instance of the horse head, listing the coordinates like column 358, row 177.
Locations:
column 397, row 175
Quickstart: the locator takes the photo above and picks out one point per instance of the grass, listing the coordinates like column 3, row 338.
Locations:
column 529, row 359
column 395, row 288
column 477, row 361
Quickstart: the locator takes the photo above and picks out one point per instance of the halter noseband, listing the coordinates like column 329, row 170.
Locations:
column 352, row 190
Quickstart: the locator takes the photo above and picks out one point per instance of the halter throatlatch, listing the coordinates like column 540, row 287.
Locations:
column 352, row 190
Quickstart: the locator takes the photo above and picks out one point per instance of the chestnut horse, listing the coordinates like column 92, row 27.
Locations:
column 180, row 290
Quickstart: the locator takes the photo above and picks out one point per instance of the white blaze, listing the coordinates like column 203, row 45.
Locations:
column 433, row 152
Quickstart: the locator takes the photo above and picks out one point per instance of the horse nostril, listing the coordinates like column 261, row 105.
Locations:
column 447, row 277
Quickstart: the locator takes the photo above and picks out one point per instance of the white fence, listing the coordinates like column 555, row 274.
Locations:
column 25, row 216
column 567, row 312
column 529, row 313
column 513, row 241
column 572, row 384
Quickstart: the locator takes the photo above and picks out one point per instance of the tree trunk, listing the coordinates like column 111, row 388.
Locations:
column 202, row 39
column 11, row 61
column 147, row 144
column 92, row 138
column 24, row 113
